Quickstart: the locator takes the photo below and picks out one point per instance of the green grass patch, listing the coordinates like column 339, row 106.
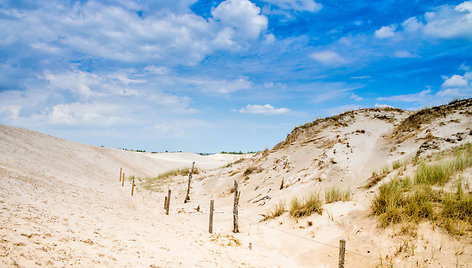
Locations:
column 402, row 199
column 302, row 207
column 440, row 173
column 335, row 194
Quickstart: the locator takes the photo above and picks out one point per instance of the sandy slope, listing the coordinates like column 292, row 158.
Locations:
column 62, row 204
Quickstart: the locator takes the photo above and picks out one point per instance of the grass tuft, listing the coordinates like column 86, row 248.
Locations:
column 402, row 200
column 302, row 207
column 335, row 194
column 154, row 183
column 251, row 170
column 275, row 212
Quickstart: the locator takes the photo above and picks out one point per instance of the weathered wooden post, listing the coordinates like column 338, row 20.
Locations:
column 120, row 173
column 132, row 188
column 123, row 181
column 187, row 197
column 165, row 202
column 235, row 208
column 342, row 252
column 212, row 206
column 168, row 202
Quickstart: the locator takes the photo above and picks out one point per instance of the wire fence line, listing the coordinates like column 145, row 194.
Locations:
column 222, row 211
column 258, row 223
column 302, row 237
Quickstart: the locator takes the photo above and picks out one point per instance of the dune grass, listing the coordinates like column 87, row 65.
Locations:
column 402, row 199
column 440, row 173
column 302, row 207
column 155, row 183
column 335, row 194
column 275, row 212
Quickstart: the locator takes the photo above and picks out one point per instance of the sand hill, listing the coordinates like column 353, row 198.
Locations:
column 62, row 204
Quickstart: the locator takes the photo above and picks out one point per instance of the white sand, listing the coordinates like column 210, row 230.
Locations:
column 62, row 204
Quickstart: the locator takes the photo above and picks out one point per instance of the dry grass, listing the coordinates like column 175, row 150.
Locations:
column 335, row 194
column 403, row 200
column 440, row 173
column 302, row 207
column 275, row 212
column 251, row 170
column 155, row 183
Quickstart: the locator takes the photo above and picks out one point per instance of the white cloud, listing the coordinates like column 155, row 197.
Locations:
column 450, row 22
column 157, row 69
column 386, row 31
column 355, row 97
column 333, row 90
column 404, row 54
column 85, row 113
column 328, row 57
column 456, row 81
column 10, row 111
column 453, row 87
column 457, row 86
column 412, row 25
column 78, row 98
column 242, row 17
column 263, row 109
column 170, row 36
column 297, row 5
column 383, row 106
column 445, row 22
column 219, row 86
column 414, row 97
column 361, row 77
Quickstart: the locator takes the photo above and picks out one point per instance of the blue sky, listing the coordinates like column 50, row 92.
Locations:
column 207, row 76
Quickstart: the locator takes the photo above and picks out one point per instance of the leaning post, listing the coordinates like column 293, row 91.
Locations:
column 187, row 197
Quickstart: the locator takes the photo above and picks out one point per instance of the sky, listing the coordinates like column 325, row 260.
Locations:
column 210, row 76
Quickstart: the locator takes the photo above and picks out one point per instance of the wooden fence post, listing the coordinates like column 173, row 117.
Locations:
column 132, row 188
column 165, row 202
column 235, row 208
column 212, row 206
column 187, row 197
column 168, row 202
column 120, row 173
column 123, row 181
column 342, row 252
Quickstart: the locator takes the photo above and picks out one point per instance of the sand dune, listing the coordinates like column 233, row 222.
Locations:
column 62, row 204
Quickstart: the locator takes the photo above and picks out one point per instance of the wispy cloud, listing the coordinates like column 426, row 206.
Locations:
column 414, row 97
column 328, row 57
column 297, row 5
column 263, row 109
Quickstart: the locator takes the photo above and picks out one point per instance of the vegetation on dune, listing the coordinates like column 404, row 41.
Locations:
column 275, row 212
column 252, row 169
column 302, row 207
column 240, row 152
column 424, row 198
column 154, row 183
column 335, row 194
column 305, row 206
